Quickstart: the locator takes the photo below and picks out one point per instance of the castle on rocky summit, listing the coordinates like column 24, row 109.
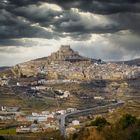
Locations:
column 65, row 48
column 65, row 53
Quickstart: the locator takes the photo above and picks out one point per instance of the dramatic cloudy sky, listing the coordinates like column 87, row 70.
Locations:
column 106, row 29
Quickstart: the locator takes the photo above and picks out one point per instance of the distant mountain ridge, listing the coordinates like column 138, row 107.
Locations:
column 131, row 62
column 4, row 68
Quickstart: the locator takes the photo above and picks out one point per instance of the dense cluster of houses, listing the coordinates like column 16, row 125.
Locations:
column 89, row 71
column 112, row 71
column 9, row 113
column 36, row 121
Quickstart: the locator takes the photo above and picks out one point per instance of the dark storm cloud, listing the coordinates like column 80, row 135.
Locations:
column 41, row 13
column 101, row 6
column 126, row 13
column 23, row 2
column 75, row 23
column 20, row 22
column 69, row 21
column 12, row 26
column 17, row 42
column 128, row 21
column 33, row 19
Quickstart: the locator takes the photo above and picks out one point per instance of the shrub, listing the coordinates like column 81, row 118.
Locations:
column 99, row 122
column 127, row 120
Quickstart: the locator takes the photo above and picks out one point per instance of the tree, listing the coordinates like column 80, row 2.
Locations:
column 99, row 122
column 135, row 135
column 35, row 122
column 127, row 120
column 2, row 138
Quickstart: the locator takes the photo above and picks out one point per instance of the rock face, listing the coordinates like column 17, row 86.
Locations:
column 28, row 69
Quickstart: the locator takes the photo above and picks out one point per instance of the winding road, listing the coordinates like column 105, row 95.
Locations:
column 62, row 118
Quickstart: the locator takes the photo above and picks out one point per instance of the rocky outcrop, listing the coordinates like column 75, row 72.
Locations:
column 25, row 70
column 65, row 53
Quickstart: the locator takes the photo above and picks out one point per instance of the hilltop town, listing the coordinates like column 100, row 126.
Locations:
column 66, row 64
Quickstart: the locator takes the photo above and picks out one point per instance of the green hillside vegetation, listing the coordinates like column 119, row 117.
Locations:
column 8, row 131
column 126, row 128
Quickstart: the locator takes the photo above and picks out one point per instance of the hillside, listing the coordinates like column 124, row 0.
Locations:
column 131, row 62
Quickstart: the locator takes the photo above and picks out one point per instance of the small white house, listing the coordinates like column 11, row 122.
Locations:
column 40, row 88
column 23, row 129
column 46, row 126
column 10, row 109
column 75, row 122
column 45, row 112
column 99, row 98
column 18, row 84
column 62, row 112
column 66, row 94
column 38, row 118
column 71, row 110
column 35, row 128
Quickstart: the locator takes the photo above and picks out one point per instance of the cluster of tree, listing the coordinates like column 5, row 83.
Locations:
column 126, row 128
